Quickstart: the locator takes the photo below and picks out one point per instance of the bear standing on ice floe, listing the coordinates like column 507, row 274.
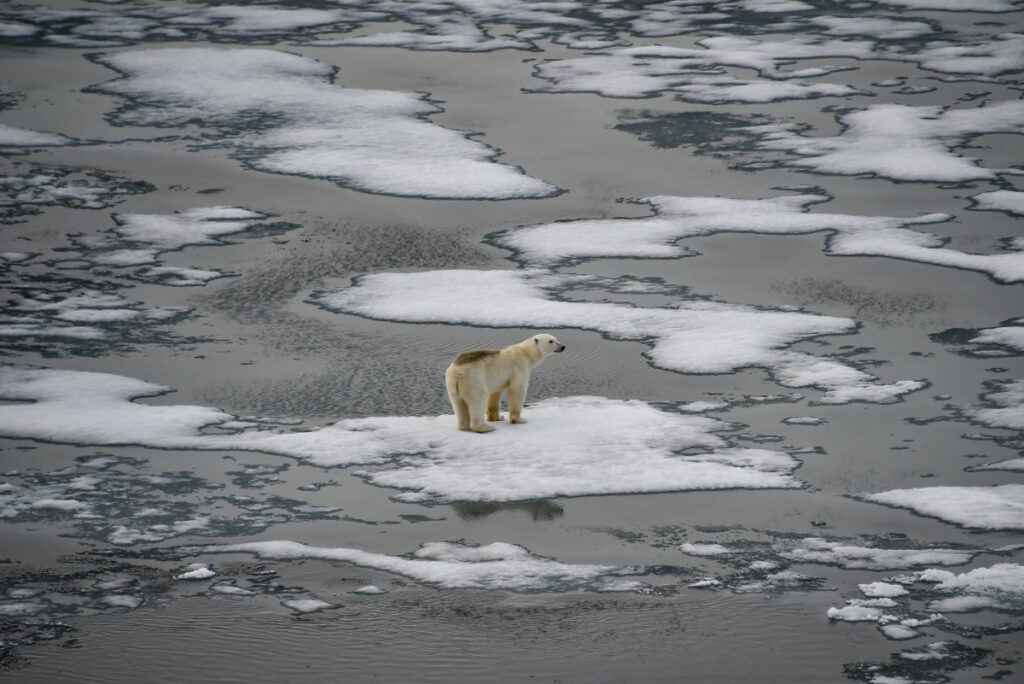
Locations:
column 477, row 379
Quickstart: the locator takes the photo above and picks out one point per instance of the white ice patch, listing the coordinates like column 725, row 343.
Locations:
column 11, row 136
column 855, row 613
column 882, row 590
column 990, row 58
column 201, row 226
column 817, row 550
column 573, row 446
column 992, row 508
column 966, row 604
column 11, row 29
column 703, row 406
column 898, row 142
column 370, row 590
column 689, row 337
column 196, row 571
column 678, row 218
column 86, row 188
column 1005, row 407
column 696, row 73
column 875, row 27
column 1003, row 581
column 897, row 632
column 282, row 113
column 1010, row 201
column 804, row 420
column 1006, row 336
column 307, row 605
column 704, row 549
column 447, row 565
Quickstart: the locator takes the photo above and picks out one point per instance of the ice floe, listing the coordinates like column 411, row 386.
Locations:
column 882, row 589
column 704, row 549
column 1010, row 201
column 695, row 73
column 882, row 28
column 196, row 571
column 12, row 136
column 851, row 556
column 307, row 605
column 992, row 508
column 448, row 565
column 282, row 113
column 678, row 218
column 689, row 337
column 33, row 186
column 1004, row 406
column 898, row 142
column 635, row 444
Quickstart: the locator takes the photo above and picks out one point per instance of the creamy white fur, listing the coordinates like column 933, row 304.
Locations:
column 476, row 380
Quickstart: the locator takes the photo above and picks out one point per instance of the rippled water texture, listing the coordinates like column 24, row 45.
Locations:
column 780, row 239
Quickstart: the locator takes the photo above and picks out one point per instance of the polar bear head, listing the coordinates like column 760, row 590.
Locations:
column 547, row 344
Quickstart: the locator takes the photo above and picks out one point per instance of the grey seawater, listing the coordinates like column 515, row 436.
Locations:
column 254, row 345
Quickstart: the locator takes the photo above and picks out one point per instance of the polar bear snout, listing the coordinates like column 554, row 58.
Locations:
column 560, row 349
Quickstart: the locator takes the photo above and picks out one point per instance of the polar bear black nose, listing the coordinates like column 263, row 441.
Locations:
column 562, row 349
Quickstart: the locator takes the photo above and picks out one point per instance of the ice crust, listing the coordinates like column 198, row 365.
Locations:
column 282, row 113
column 992, row 508
column 898, row 142
column 556, row 454
column 678, row 218
column 689, row 337
column 447, row 565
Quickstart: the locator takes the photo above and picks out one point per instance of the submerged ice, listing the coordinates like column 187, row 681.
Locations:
column 282, row 113
column 449, row 565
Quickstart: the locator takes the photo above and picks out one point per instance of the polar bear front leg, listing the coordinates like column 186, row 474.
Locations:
column 516, row 396
column 493, row 405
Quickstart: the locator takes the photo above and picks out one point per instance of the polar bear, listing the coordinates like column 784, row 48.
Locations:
column 477, row 379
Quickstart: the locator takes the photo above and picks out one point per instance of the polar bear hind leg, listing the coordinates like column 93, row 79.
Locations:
column 516, row 395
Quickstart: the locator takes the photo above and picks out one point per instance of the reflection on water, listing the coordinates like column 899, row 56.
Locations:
column 543, row 510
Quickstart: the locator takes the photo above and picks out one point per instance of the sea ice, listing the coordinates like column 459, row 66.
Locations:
column 704, row 549
column 992, row 508
column 1010, row 201
column 196, row 571
column 881, row 28
column 282, row 113
column 817, row 550
column 635, row 443
column 307, row 605
column 678, row 218
column 1004, row 406
column 575, row 446
column 696, row 73
column 11, row 136
column 689, row 337
column 447, row 565
column 882, row 589
column 898, row 142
